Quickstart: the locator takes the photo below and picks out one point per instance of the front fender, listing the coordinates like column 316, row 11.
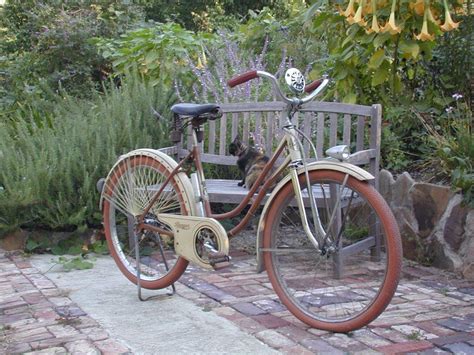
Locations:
column 170, row 164
column 346, row 168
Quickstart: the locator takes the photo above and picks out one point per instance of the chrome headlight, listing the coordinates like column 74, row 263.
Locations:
column 339, row 152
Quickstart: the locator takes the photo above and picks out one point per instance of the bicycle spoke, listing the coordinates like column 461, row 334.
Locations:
column 131, row 187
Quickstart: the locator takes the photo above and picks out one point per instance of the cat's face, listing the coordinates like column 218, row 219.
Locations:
column 236, row 147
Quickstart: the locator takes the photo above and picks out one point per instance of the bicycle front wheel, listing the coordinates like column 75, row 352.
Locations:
column 130, row 188
column 353, row 280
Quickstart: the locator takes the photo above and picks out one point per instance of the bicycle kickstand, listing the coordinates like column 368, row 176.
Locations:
column 137, row 259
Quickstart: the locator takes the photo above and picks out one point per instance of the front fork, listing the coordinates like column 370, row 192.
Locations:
column 322, row 241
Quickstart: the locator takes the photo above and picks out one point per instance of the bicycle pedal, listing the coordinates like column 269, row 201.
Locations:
column 219, row 260
column 222, row 265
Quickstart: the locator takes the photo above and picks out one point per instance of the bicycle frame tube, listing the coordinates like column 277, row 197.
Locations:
column 294, row 160
column 252, row 191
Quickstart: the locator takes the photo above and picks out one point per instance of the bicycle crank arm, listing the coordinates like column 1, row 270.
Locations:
column 200, row 240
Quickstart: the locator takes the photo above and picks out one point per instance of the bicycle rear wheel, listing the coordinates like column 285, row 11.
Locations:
column 129, row 189
column 355, row 280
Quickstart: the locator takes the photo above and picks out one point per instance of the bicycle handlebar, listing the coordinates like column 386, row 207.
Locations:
column 312, row 89
column 242, row 78
column 313, row 86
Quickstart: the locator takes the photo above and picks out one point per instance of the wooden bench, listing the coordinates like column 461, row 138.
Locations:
column 327, row 123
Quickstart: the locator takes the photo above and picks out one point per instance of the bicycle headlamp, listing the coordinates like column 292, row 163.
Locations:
column 339, row 152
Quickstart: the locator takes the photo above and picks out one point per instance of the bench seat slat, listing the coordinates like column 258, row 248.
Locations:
column 227, row 191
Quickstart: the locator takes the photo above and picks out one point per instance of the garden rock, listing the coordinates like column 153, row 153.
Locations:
column 436, row 228
column 429, row 203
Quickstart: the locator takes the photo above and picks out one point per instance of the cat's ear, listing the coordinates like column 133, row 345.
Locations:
column 237, row 139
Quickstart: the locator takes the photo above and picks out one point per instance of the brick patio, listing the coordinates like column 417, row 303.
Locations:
column 37, row 316
column 432, row 312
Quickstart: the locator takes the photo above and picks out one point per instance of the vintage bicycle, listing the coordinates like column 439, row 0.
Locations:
column 327, row 239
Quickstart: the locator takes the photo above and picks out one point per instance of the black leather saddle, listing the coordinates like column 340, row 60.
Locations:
column 194, row 110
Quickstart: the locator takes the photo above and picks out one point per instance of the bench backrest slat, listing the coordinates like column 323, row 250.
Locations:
column 235, row 124
column 346, row 135
column 246, row 128
column 327, row 123
column 320, row 135
column 307, row 126
column 222, row 134
column 333, row 129
column 212, row 137
column 360, row 133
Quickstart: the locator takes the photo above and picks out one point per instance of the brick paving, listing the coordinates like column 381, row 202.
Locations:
column 37, row 317
column 431, row 313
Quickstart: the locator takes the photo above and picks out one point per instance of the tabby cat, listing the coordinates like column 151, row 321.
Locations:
column 250, row 162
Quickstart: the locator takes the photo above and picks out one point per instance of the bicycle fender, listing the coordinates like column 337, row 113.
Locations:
column 346, row 168
column 167, row 161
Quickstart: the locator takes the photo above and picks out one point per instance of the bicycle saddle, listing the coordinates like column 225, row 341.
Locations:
column 193, row 109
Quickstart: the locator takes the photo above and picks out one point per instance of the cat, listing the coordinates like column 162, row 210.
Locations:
column 250, row 162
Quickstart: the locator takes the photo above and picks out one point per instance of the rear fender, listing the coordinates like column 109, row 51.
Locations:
column 170, row 164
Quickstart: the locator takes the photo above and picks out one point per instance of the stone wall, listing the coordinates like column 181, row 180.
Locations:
column 436, row 228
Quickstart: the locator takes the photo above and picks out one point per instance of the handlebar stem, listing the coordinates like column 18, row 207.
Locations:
column 275, row 85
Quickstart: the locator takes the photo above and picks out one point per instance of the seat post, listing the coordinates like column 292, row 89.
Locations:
column 197, row 123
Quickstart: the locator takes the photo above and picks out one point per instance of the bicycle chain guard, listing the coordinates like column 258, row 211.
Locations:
column 193, row 237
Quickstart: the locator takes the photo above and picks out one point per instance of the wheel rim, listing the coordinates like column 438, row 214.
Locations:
column 131, row 187
column 305, row 280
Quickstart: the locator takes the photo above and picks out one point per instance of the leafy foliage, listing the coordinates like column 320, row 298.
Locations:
column 76, row 263
column 200, row 14
column 159, row 51
column 450, row 135
column 49, row 168
column 46, row 44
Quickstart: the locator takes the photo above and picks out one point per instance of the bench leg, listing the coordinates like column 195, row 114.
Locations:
column 337, row 257
column 374, row 230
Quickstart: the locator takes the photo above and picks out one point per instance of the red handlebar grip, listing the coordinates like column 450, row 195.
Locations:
column 242, row 78
column 313, row 86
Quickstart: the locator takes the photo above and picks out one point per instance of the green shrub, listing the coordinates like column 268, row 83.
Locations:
column 160, row 51
column 48, row 172
column 450, row 135
column 48, row 41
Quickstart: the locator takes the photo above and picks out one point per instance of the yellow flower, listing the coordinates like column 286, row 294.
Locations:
column 431, row 17
column 350, row 9
column 391, row 26
column 368, row 9
column 449, row 24
column 418, row 7
column 375, row 26
column 358, row 16
column 424, row 34
column 199, row 65
column 350, row 19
